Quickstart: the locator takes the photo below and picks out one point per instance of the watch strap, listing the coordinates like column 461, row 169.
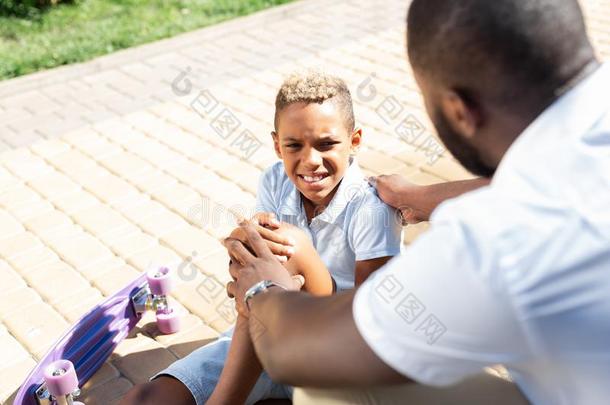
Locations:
column 258, row 288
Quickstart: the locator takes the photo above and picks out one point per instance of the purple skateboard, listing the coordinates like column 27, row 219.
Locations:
column 77, row 355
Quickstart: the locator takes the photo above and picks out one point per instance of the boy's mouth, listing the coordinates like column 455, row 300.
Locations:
column 313, row 179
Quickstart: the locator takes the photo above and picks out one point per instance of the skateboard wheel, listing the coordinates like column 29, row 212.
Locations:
column 60, row 378
column 159, row 281
column 168, row 321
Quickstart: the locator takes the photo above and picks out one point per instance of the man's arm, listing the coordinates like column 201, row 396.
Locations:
column 300, row 339
column 312, row 341
column 415, row 202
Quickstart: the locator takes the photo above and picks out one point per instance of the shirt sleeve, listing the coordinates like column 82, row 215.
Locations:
column 374, row 230
column 265, row 201
column 433, row 316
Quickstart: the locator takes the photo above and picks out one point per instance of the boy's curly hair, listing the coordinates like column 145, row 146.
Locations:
column 315, row 87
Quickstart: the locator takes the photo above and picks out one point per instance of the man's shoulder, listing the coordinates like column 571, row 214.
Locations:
column 488, row 209
column 500, row 224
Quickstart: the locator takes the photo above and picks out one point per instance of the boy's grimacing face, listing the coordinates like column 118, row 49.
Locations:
column 315, row 145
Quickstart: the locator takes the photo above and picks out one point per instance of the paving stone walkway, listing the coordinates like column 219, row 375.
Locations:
column 146, row 155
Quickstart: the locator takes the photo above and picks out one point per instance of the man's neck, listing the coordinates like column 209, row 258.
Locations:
column 588, row 69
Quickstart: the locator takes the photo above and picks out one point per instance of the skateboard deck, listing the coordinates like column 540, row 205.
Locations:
column 91, row 340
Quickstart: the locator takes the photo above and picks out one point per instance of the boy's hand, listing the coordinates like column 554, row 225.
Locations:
column 301, row 244
column 265, row 224
column 253, row 262
column 403, row 195
column 266, row 219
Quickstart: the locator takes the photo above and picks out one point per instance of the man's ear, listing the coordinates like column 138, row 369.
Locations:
column 276, row 144
column 463, row 116
column 356, row 139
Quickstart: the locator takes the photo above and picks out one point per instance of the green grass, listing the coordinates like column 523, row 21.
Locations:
column 70, row 33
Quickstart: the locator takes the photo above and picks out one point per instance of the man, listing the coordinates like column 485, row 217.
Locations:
column 514, row 273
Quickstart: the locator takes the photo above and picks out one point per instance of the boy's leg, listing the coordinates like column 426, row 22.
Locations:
column 194, row 377
column 241, row 370
column 196, row 373
column 239, row 375
column 242, row 367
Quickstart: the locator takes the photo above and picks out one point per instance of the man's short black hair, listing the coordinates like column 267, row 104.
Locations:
column 501, row 49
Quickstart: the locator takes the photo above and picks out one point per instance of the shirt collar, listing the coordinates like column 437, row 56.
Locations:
column 572, row 115
column 351, row 185
column 291, row 204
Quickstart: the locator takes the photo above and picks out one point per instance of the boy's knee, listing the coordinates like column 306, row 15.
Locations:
column 289, row 230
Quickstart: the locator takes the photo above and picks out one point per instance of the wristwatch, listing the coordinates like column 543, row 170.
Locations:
column 258, row 288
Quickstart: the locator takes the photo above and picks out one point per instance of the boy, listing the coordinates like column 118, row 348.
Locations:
column 342, row 231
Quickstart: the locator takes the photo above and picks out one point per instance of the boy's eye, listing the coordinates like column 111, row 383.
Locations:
column 292, row 145
column 328, row 144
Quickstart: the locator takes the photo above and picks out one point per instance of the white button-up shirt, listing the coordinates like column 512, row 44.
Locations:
column 355, row 226
column 516, row 273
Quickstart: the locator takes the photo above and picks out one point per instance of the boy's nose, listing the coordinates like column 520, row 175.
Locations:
column 312, row 158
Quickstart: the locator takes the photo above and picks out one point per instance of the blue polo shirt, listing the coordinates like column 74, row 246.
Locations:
column 355, row 226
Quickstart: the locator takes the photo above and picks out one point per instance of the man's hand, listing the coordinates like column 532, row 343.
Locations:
column 415, row 202
column 252, row 262
column 265, row 224
column 403, row 195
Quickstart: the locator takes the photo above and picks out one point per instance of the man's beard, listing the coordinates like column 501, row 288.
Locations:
column 465, row 153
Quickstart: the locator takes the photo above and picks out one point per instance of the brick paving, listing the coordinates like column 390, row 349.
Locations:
column 146, row 155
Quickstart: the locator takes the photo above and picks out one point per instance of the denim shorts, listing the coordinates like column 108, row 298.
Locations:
column 200, row 371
